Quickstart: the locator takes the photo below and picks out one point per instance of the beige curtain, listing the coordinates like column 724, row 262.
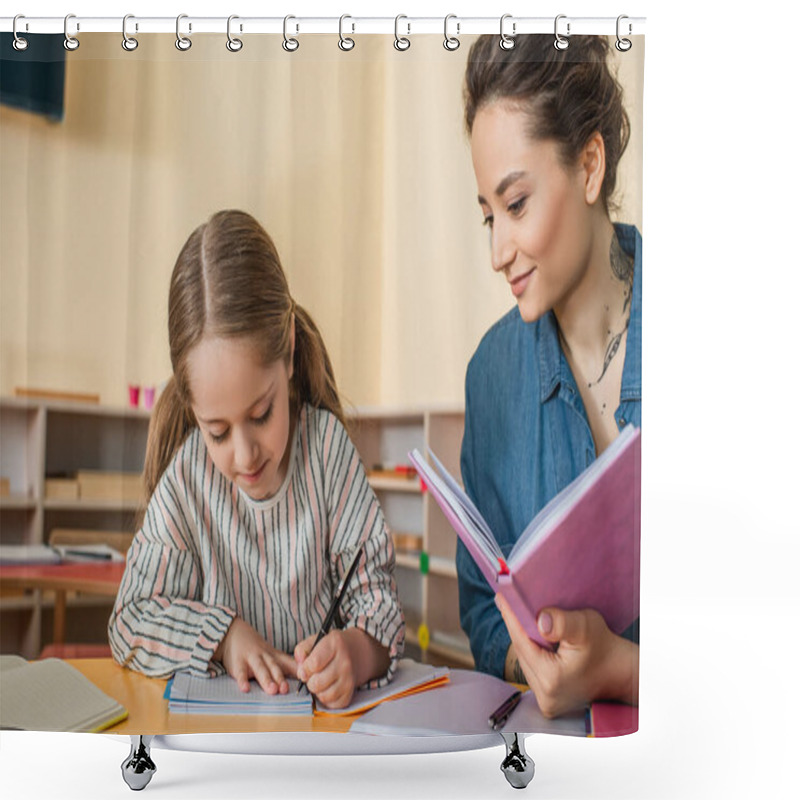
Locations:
column 356, row 163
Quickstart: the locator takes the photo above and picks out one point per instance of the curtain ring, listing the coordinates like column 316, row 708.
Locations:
column 19, row 42
column 70, row 42
column 623, row 45
column 561, row 42
column 345, row 42
column 400, row 42
column 183, row 43
column 507, row 42
column 289, row 44
column 128, row 42
column 451, row 43
column 233, row 44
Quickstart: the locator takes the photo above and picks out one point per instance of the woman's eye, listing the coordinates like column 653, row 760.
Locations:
column 264, row 417
column 517, row 206
column 218, row 438
column 488, row 221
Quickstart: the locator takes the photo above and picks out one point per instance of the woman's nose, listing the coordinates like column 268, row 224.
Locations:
column 503, row 249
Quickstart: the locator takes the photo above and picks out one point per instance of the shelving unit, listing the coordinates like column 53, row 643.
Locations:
column 426, row 580
column 40, row 438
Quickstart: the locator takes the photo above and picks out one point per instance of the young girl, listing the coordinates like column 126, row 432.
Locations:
column 554, row 380
column 257, row 499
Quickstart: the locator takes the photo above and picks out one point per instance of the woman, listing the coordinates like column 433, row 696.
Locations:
column 554, row 380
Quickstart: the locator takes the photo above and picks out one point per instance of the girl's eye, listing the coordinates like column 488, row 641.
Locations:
column 218, row 438
column 264, row 417
column 488, row 221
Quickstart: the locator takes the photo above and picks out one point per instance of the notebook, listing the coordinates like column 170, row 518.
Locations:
column 190, row 694
column 409, row 678
column 580, row 551
column 463, row 706
column 51, row 695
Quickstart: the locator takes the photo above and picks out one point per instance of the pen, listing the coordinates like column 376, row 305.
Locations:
column 337, row 601
column 500, row 716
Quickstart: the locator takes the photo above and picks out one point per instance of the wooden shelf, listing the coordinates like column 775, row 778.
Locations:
column 384, row 436
column 42, row 438
column 18, row 501
column 396, row 485
column 91, row 505
column 407, row 560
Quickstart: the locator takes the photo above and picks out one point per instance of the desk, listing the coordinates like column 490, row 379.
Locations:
column 148, row 710
column 90, row 578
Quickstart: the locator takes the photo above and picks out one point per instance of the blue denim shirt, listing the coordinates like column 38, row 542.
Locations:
column 526, row 436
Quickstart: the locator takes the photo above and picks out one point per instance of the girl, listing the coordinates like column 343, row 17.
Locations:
column 554, row 380
column 257, row 500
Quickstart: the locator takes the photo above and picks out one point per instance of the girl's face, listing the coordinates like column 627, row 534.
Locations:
column 536, row 209
column 242, row 409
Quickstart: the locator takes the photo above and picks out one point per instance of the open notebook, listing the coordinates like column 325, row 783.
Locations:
column 190, row 694
column 51, row 695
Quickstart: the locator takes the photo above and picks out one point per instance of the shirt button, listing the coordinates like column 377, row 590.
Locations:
column 622, row 422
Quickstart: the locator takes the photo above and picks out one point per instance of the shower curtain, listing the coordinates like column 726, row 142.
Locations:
column 355, row 161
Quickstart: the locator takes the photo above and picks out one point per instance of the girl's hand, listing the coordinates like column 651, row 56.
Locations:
column 342, row 661
column 245, row 654
column 590, row 663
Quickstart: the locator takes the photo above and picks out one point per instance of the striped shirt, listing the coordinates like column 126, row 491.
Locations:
column 207, row 552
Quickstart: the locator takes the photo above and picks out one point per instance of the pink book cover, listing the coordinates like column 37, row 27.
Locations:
column 586, row 551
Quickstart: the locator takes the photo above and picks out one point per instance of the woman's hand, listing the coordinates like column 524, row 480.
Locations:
column 245, row 654
column 590, row 663
column 342, row 661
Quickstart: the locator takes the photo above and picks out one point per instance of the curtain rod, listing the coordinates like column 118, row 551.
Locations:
column 403, row 25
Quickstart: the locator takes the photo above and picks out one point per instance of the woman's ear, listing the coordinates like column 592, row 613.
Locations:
column 593, row 164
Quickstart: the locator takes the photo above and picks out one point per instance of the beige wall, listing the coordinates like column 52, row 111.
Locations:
column 354, row 162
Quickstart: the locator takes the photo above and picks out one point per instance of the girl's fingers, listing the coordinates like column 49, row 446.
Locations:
column 317, row 660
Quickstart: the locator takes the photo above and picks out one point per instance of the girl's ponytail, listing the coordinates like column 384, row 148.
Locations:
column 170, row 424
column 313, row 377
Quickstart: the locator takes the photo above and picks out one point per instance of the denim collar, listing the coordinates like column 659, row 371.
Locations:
column 553, row 367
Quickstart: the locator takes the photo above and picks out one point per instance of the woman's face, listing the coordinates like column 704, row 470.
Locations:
column 242, row 409
column 536, row 210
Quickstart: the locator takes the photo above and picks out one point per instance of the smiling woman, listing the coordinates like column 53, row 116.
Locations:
column 553, row 381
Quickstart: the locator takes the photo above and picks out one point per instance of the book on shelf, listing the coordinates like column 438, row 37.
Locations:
column 39, row 554
column 27, row 554
column 51, row 695
column 580, row 551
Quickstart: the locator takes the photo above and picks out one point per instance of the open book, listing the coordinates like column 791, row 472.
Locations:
column 580, row 551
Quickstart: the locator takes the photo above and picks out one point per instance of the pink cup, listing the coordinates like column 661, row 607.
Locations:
column 149, row 396
column 133, row 395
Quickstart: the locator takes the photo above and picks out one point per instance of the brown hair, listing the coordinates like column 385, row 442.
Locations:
column 568, row 95
column 228, row 281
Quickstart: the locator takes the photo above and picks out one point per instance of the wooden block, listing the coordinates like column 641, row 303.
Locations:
column 52, row 394
column 96, row 485
column 5, row 487
column 61, row 488
column 407, row 541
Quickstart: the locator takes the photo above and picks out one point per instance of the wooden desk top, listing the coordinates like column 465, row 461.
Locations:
column 102, row 579
column 148, row 712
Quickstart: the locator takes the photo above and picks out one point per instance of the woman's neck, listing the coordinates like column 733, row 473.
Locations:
column 594, row 317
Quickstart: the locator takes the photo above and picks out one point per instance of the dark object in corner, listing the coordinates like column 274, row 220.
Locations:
column 33, row 79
